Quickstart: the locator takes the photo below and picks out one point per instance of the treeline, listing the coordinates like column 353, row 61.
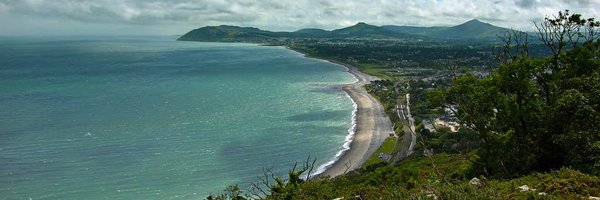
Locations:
column 535, row 114
column 393, row 54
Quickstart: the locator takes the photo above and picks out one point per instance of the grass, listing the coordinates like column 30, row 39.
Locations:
column 387, row 148
column 447, row 177
column 561, row 184
column 372, row 69
column 443, row 176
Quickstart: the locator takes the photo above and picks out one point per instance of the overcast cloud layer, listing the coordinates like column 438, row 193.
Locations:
column 152, row 17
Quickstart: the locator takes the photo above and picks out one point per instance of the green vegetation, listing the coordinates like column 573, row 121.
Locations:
column 529, row 129
column 535, row 114
column 389, row 147
column 373, row 69
column 368, row 68
column 445, row 176
column 473, row 29
column 386, row 95
column 228, row 34
column 484, row 31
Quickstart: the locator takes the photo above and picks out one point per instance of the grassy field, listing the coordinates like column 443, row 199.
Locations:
column 387, row 148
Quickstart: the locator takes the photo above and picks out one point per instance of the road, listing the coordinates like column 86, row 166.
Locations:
column 410, row 137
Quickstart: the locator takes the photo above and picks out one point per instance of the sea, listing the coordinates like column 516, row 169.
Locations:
column 155, row 118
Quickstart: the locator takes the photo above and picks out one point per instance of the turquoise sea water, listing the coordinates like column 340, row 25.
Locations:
column 152, row 118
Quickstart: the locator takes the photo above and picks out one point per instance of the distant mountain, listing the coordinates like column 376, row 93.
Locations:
column 473, row 29
column 313, row 32
column 226, row 33
column 363, row 30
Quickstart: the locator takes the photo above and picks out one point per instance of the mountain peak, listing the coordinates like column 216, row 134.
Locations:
column 474, row 21
column 359, row 26
column 362, row 25
column 472, row 29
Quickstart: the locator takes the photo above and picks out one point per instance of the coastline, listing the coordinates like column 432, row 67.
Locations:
column 371, row 126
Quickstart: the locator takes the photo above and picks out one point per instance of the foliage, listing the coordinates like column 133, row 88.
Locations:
column 402, row 181
column 232, row 192
column 561, row 184
column 443, row 140
column 273, row 187
column 447, row 177
column 385, row 92
column 534, row 114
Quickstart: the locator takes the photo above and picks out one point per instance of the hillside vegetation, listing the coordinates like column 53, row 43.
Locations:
column 473, row 29
column 535, row 122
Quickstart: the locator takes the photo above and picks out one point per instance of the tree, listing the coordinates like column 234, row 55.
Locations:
column 536, row 114
column 232, row 192
column 274, row 187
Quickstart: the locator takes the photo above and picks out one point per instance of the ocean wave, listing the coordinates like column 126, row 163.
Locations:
column 347, row 141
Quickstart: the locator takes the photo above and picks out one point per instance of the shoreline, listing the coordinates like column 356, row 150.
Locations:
column 370, row 125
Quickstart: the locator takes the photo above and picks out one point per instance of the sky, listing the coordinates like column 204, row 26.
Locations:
column 175, row 17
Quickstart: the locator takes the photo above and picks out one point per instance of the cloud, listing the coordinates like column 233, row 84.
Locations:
column 94, row 11
column 527, row 3
column 178, row 15
column 3, row 8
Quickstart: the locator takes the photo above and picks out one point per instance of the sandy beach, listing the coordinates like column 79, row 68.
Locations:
column 372, row 126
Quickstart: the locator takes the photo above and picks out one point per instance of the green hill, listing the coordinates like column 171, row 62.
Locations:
column 225, row 33
column 363, row 30
column 473, row 29
column 314, row 32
